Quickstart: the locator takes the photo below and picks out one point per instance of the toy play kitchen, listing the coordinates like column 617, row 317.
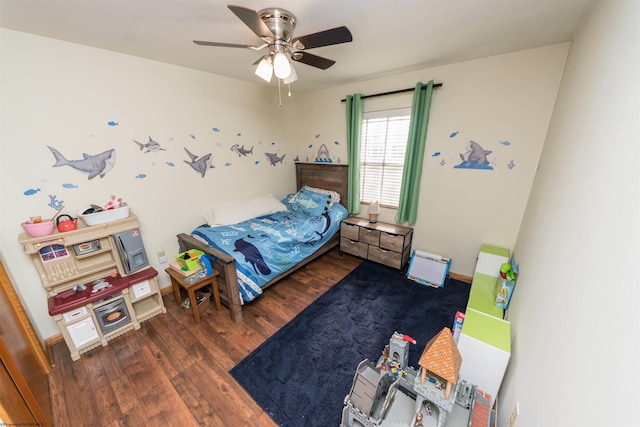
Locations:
column 66, row 224
column 97, row 278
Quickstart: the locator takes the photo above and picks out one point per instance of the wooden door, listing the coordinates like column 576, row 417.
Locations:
column 24, row 367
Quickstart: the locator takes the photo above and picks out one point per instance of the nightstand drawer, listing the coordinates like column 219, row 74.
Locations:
column 394, row 242
column 349, row 231
column 358, row 249
column 390, row 258
column 369, row 236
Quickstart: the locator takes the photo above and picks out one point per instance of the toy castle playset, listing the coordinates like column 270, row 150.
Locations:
column 390, row 393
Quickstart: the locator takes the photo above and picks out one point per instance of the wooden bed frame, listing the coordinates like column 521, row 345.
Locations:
column 327, row 176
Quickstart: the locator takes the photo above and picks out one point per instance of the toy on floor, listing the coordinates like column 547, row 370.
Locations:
column 393, row 393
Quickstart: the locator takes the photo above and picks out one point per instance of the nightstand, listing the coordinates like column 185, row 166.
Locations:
column 387, row 244
column 179, row 281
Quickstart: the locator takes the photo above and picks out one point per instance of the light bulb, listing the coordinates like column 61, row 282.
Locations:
column 281, row 65
column 293, row 76
column 264, row 70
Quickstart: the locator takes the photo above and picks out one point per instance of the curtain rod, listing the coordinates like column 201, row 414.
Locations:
column 393, row 92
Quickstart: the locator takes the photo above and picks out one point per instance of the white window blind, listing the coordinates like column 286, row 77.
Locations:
column 382, row 146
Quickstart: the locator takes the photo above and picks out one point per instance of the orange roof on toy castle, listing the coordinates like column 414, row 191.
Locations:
column 441, row 356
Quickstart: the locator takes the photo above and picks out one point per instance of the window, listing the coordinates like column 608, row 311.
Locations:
column 382, row 146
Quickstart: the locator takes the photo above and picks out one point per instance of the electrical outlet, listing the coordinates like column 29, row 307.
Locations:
column 162, row 257
column 514, row 415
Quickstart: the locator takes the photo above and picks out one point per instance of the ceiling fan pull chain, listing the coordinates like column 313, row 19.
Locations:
column 279, row 95
column 289, row 89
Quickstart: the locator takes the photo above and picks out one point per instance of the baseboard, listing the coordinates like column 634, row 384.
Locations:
column 460, row 277
column 49, row 342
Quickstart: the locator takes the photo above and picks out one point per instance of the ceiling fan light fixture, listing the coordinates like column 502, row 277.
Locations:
column 292, row 77
column 281, row 65
column 264, row 70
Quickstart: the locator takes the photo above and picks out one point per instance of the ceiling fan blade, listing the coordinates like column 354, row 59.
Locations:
column 323, row 38
column 243, row 46
column 252, row 20
column 313, row 60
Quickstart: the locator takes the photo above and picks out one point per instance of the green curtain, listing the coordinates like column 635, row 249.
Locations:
column 414, row 156
column 355, row 106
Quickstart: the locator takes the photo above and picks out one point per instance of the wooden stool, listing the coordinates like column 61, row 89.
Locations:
column 178, row 281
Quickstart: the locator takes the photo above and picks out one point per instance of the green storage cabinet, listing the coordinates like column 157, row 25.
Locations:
column 485, row 339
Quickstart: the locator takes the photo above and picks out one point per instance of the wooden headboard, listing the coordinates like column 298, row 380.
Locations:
column 327, row 176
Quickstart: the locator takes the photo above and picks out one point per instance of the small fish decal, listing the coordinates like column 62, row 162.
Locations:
column 505, row 143
column 297, row 159
column 141, row 175
column 454, row 134
column 218, row 144
column 240, row 151
column 310, row 146
column 511, row 165
column 257, row 162
column 238, row 134
column 228, row 164
column 436, row 154
column 192, row 136
column 93, row 166
column 215, row 129
column 273, row 158
column 170, row 164
column 113, row 123
column 336, row 142
column 199, row 164
column 273, row 143
column 151, row 146
column 317, row 135
column 31, row 191
column 69, row 186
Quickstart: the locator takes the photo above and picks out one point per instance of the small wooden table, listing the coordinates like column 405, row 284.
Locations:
column 178, row 281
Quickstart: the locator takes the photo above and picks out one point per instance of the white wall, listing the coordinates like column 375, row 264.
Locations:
column 491, row 100
column 63, row 95
column 574, row 311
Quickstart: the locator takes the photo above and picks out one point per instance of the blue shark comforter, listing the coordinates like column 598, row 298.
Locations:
column 267, row 246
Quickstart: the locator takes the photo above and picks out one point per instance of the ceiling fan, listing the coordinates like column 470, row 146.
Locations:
column 275, row 27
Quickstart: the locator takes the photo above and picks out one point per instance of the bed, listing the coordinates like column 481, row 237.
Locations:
column 246, row 271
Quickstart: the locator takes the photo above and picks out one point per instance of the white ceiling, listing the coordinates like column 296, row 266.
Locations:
column 389, row 36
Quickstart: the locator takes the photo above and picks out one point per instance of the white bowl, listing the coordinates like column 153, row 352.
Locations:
column 105, row 216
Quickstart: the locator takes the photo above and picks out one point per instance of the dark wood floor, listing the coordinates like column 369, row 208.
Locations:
column 172, row 372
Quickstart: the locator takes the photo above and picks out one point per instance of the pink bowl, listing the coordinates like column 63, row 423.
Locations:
column 43, row 228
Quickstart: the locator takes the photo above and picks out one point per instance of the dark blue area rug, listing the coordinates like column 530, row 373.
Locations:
column 301, row 375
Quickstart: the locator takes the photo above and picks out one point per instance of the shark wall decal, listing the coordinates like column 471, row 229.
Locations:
column 93, row 166
column 273, row 158
column 199, row 164
column 241, row 151
column 151, row 146
column 475, row 154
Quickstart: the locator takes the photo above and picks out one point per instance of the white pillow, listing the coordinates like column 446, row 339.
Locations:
column 244, row 209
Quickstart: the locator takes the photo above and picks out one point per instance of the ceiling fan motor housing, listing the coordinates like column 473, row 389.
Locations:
column 281, row 22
